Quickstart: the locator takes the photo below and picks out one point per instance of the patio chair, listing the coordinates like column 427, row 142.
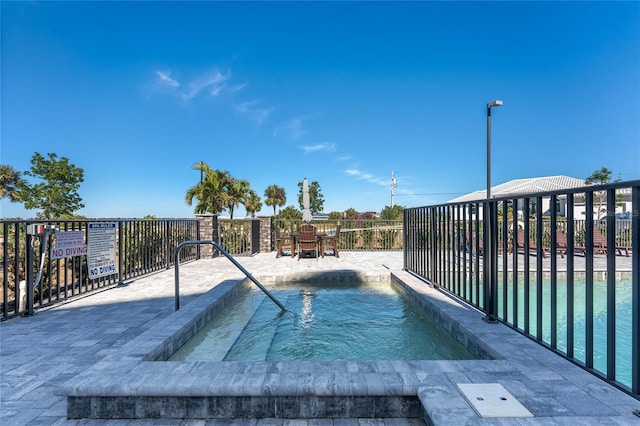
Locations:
column 330, row 242
column 282, row 242
column 307, row 241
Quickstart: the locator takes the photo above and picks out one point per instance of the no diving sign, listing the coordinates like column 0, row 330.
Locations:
column 69, row 244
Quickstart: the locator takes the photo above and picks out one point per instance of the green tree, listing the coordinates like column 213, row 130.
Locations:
column 599, row 177
column 10, row 183
column 276, row 196
column 602, row 177
column 335, row 216
column 290, row 212
column 351, row 213
column 316, row 200
column 210, row 194
column 238, row 190
column 392, row 213
column 252, row 203
column 57, row 194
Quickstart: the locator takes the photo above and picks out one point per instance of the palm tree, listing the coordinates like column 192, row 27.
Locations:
column 10, row 183
column 238, row 189
column 211, row 194
column 275, row 197
column 252, row 203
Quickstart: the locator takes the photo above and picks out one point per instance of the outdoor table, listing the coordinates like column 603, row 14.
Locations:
column 319, row 239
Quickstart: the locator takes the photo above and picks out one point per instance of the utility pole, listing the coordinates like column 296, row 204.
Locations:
column 394, row 183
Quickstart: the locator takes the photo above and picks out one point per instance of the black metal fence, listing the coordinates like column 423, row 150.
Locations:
column 239, row 237
column 32, row 278
column 355, row 234
column 559, row 267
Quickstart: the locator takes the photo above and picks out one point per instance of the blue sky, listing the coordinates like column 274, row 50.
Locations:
column 343, row 93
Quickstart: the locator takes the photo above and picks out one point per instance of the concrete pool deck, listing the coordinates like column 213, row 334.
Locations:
column 87, row 343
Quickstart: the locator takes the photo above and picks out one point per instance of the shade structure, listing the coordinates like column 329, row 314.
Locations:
column 306, row 202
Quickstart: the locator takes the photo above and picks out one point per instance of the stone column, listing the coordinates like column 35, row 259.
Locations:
column 208, row 224
column 265, row 234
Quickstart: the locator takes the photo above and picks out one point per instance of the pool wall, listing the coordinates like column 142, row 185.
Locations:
column 187, row 321
column 445, row 315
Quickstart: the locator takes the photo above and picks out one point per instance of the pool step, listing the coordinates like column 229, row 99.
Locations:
column 263, row 322
column 215, row 340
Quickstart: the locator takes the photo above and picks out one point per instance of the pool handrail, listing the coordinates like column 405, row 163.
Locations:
column 235, row 262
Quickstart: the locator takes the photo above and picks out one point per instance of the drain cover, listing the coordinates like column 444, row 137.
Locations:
column 492, row 400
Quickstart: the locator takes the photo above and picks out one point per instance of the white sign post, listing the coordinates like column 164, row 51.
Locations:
column 68, row 244
column 102, row 249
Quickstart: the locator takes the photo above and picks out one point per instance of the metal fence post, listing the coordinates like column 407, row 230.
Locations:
column 635, row 283
column 120, row 253
column 489, row 281
column 29, row 275
column 167, row 244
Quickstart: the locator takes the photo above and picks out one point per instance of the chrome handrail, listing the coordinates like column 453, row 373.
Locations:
column 235, row 262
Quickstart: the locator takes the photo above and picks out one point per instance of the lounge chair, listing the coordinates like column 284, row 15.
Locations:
column 532, row 244
column 599, row 244
column 471, row 244
column 561, row 243
column 626, row 250
column 330, row 242
column 282, row 241
column 307, row 241
column 599, row 240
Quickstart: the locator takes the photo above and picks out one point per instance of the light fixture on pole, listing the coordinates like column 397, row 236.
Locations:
column 490, row 105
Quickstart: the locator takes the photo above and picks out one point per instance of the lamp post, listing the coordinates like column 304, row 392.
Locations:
column 489, row 231
column 490, row 105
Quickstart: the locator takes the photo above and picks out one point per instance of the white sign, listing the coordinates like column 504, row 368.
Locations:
column 102, row 249
column 69, row 244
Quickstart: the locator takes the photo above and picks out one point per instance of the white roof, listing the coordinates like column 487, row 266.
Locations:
column 524, row 186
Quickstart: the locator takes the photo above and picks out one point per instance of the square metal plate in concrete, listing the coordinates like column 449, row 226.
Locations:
column 492, row 400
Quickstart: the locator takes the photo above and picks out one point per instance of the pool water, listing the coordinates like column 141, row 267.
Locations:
column 361, row 322
column 623, row 317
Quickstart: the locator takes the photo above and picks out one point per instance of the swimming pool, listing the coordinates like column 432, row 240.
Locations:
column 623, row 315
column 326, row 322
column 146, row 385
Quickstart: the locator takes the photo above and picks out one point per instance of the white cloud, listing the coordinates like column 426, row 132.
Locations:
column 294, row 127
column 214, row 83
column 254, row 111
column 365, row 176
column 164, row 79
column 319, row 147
column 237, row 87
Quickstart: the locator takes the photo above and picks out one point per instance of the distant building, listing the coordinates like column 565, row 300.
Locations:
column 519, row 187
